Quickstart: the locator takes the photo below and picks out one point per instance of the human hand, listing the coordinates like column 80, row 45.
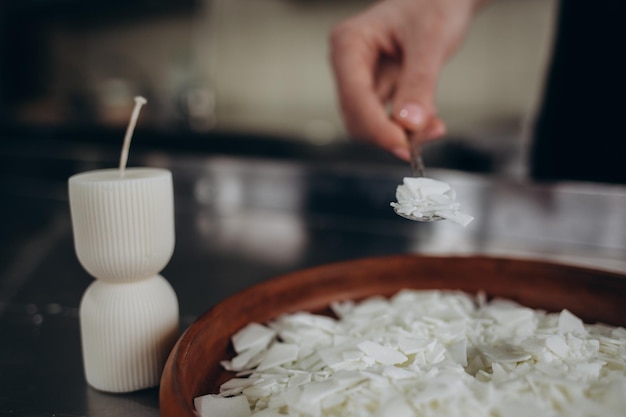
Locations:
column 391, row 55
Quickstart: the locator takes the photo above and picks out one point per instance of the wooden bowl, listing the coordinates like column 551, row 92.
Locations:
column 193, row 367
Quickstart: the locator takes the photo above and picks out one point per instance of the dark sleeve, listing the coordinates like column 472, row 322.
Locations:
column 580, row 130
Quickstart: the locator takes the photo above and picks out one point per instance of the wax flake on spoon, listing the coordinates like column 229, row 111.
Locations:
column 425, row 197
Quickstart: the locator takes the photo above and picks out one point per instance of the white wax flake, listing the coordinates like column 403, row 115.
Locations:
column 619, row 332
column 278, row 354
column 246, row 359
column 314, row 392
column 396, row 407
column 253, row 335
column 569, row 323
column 410, row 345
column 235, row 386
column 426, row 197
column 458, row 352
column 382, row 354
column 218, row 406
column 455, row 216
column 557, row 345
column 505, row 353
column 425, row 353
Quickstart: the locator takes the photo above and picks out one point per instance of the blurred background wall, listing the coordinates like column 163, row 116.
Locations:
column 256, row 66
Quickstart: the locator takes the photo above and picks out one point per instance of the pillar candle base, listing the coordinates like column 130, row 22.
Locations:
column 127, row 332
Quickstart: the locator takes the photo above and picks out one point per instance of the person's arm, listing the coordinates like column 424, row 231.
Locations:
column 391, row 54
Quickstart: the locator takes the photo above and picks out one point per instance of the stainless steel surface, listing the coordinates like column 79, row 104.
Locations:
column 242, row 220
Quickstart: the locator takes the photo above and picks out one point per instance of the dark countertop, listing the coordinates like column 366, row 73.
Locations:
column 240, row 220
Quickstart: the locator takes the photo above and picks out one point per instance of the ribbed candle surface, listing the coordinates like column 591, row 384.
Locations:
column 127, row 331
column 123, row 227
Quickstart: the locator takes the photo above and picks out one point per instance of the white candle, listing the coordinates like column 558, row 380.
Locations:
column 124, row 236
column 123, row 226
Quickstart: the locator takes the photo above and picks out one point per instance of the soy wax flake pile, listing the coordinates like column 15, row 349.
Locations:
column 424, row 353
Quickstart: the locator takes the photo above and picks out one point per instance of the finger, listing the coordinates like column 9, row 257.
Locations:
column 354, row 59
column 436, row 129
column 387, row 77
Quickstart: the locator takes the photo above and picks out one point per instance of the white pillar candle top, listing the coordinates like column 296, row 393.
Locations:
column 123, row 226
column 112, row 175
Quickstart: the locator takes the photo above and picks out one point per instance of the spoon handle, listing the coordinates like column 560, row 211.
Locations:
column 417, row 166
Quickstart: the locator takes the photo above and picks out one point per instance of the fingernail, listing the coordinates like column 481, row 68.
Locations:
column 412, row 113
column 402, row 153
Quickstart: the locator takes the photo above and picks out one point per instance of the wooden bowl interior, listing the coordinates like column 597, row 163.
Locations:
column 193, row 367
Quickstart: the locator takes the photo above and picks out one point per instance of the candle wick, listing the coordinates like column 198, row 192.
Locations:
column 139, row 101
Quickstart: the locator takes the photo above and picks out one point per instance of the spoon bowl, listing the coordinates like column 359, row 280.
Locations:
column 424, row 219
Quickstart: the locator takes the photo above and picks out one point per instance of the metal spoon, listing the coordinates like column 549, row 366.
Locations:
column 417, row 170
